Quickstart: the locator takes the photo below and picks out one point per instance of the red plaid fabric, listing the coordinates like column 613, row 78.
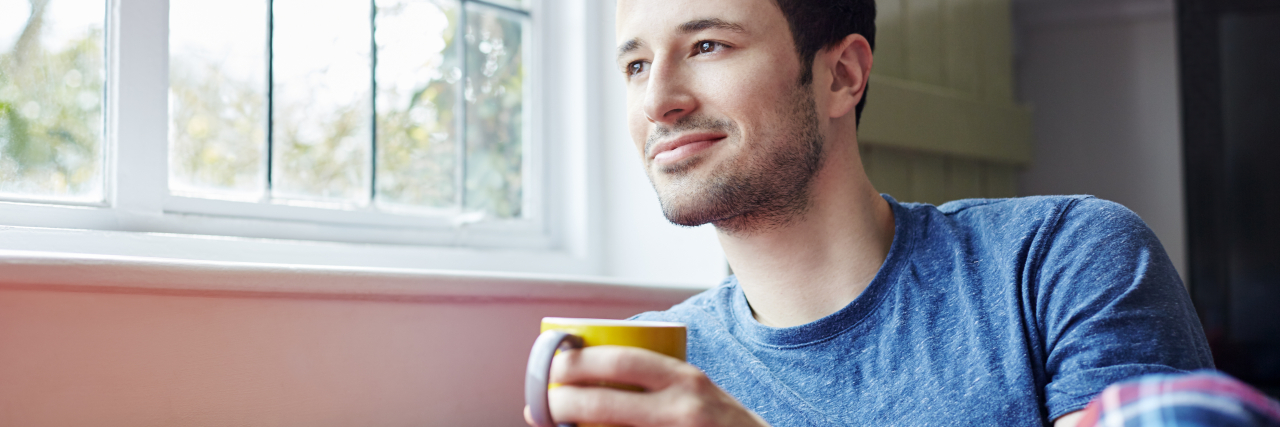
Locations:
column 1202, row 398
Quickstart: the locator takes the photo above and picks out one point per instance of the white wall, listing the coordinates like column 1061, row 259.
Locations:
column 1102, row 78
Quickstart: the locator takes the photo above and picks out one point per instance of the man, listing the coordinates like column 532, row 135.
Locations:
column 848, row 307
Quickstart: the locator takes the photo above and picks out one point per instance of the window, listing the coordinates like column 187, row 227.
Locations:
column 403, row 107
column 411, row 129
column 51, row 88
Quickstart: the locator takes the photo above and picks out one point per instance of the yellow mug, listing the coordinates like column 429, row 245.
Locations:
column 560, row 333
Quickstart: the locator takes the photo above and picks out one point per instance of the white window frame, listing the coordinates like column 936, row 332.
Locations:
column 139, row 216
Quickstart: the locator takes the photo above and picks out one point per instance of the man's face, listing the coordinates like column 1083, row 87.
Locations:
column 714, row 105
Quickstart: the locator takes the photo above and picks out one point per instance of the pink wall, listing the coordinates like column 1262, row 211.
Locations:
column 76, row 355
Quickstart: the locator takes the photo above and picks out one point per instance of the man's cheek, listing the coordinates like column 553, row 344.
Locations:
column 639, row 134
column 638, row 137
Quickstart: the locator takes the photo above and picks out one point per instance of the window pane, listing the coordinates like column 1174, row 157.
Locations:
column 217, row 97
column 321, row 106
column 418, row 75
column 495, row 117
column 51, row 74
column 517, row 4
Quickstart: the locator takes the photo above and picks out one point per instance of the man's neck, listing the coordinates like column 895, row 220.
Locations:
column 821, row 261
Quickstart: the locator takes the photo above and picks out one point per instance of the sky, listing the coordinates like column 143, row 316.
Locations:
column 321, row 44
column 65, row 20
column 322, row 47
column 230, row 33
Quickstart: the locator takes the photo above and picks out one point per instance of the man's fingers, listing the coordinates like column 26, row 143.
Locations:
column 676, row 393
column 626, row 365
column 603, row 405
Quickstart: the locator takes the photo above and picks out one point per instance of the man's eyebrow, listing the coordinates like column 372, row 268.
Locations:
column 708, row 24
column 629, row 46
column 687, row 27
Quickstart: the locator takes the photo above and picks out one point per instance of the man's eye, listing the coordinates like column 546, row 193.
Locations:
column 636, row 67
column 708, row 46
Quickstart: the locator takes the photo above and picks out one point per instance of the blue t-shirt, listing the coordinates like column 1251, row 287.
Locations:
column 985, row 312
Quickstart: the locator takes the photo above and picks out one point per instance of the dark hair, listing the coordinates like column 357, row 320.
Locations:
column 820, row 24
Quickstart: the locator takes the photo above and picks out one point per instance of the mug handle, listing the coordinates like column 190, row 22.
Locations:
column 537, row 375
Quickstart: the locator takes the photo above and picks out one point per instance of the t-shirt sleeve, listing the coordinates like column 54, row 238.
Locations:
column 1111, row 306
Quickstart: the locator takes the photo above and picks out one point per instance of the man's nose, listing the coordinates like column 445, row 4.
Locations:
column 667, row 97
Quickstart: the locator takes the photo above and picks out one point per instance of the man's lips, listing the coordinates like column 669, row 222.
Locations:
column 678, row 149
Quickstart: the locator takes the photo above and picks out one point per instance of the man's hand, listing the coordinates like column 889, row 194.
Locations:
column 675, row 393
column 1069, row 420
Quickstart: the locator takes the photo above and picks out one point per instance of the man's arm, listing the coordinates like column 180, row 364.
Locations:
column 1110, row 305
column 675, row 393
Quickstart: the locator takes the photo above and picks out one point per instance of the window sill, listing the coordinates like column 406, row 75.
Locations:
column 34, row 270
column 138, row 237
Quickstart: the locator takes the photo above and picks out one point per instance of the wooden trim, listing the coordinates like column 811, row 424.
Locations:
column 921, row 117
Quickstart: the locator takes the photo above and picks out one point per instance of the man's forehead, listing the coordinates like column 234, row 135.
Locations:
column 639, row 21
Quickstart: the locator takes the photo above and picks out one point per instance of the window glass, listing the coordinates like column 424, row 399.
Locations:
column 418, row 76
column 322, row 100
column 515, row 4
column 218, row 97
column 495, row 118
column 347, row 102
column 51, row 97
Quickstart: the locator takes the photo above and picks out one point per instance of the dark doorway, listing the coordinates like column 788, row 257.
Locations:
column 1229, row 53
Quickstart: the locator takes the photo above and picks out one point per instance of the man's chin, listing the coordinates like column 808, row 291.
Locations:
column 690, row 204
column 687, row 192
column 689, row 216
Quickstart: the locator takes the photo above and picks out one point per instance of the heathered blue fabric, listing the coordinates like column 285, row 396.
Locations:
column 985, row 312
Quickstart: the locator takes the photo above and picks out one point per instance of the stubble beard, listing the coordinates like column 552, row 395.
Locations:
column 768, row 184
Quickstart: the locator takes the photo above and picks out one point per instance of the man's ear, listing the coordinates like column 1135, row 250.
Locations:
column 850, row 66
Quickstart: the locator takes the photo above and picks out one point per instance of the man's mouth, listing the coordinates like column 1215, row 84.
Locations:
column 678, row 149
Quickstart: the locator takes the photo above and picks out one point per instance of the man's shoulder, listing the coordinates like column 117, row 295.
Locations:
column 1041, row 230
column 1036, row 214
column 1030, row 205
column 711, row 303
